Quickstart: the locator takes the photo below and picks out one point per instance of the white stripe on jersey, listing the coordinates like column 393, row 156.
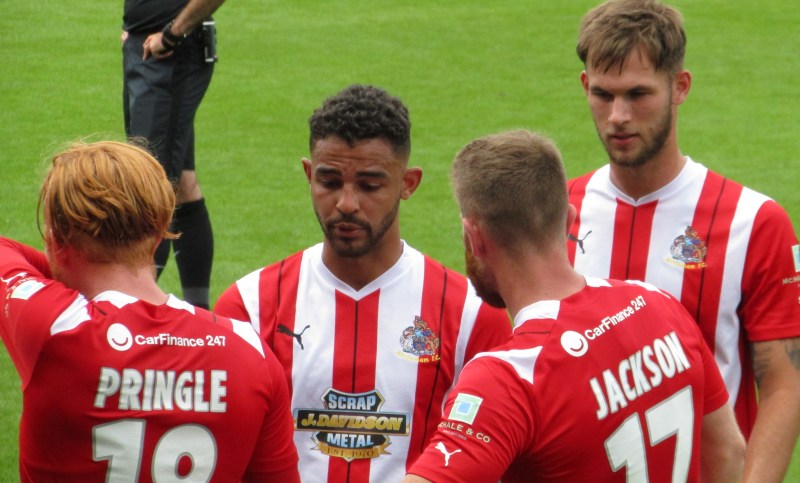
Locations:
column 246, row 332
column 522, row 360
column 73, row 316
column 471, row 308
column 726, row 351
column 248, row 290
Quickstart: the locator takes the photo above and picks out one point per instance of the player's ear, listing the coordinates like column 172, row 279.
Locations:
column 57, row 251
column 307, row 168
column 474, row 237
column 681, row 85
column 572, row 214
column 411, row 180
column 585, row 82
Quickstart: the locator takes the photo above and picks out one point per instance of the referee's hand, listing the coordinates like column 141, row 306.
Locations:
column 155, row 47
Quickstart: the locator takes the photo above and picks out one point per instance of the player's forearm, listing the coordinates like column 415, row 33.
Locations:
column 34, row 258
column 777, row 370
column 415, row 479
column 722, row 447
column 772, row 441
column 194, row 13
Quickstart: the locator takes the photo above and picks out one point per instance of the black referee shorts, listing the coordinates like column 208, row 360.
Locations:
column 161, row 97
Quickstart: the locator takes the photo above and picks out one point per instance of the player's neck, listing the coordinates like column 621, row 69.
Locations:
column 138, row 282
column 537, row 278
column 642, row 180
column 358, row 272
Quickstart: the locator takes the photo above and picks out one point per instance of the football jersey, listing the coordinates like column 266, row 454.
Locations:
column 368, row 369
column 728, row 253
column 609, row 384
column 117, row 389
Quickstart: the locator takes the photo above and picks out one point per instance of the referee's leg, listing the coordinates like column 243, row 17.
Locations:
column 194, row 250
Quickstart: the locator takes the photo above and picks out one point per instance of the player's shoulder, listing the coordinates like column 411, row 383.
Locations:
column 581, row 177
column 242, row 330
column 749, row 196
column 612, row 290
column 277, row 267
column 577, row 184
column 432, row 265
column 518, row 356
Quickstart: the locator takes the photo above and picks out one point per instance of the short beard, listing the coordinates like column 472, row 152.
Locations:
column 346, row 249
column 650, row 149
column 480, row 280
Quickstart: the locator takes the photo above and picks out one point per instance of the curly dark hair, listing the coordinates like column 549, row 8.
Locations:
column 363, row 112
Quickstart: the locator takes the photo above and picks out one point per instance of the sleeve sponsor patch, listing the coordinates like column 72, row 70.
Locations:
column 26, row 289
column 465, row 408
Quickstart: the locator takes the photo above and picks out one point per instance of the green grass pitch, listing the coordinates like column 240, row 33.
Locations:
column 465, row 69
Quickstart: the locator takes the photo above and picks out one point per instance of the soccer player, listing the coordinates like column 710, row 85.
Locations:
column 603, row 380
column 120, row 381
column 371, row 333
column 728, row 253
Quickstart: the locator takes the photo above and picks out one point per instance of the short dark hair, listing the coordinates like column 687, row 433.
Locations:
column 363, row 112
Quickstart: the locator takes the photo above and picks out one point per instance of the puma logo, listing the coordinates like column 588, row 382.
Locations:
column 579, row 241
column 447, row 455
column 285, row 330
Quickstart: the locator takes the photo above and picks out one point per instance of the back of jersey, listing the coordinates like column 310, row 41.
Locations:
column 620, row 387
column 127, row 391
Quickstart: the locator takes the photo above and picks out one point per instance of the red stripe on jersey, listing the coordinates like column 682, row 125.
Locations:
column 277, row 283
column 576, row 188
column 632, row 228
column 443, row 301
column 712, row 219
column 640, row 240
column 355, row 349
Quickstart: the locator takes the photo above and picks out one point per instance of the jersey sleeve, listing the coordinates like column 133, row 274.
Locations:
column 771, row 279
column 487, row 422
column 492, row 328
column 275, row 456
column 31, row 303
column 231, row 305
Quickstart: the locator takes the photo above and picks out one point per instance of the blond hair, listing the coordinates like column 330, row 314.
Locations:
column 515, row 183
column 612, row 31
column 109, row 200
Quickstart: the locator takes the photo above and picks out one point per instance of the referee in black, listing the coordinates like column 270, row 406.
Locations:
column 168, row 55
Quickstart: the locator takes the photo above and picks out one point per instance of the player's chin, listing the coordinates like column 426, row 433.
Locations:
column 350, row 248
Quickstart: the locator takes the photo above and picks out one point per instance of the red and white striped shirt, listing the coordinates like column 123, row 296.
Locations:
column 728, row 253
column 117, row 389
column 369, row 369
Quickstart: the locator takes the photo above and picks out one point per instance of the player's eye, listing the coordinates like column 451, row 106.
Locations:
column 330, row 183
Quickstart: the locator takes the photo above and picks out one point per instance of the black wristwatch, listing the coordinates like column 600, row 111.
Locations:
column 170, row 40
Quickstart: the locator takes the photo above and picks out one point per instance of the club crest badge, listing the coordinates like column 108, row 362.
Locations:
column 688, row 250
column 419, row 342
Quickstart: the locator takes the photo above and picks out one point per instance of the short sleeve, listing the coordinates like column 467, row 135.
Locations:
column 771, row 280
column 486, row 424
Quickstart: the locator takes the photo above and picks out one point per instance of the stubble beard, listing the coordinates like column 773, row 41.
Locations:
column 352, row 248
column 480, row 280
column 648, row 151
